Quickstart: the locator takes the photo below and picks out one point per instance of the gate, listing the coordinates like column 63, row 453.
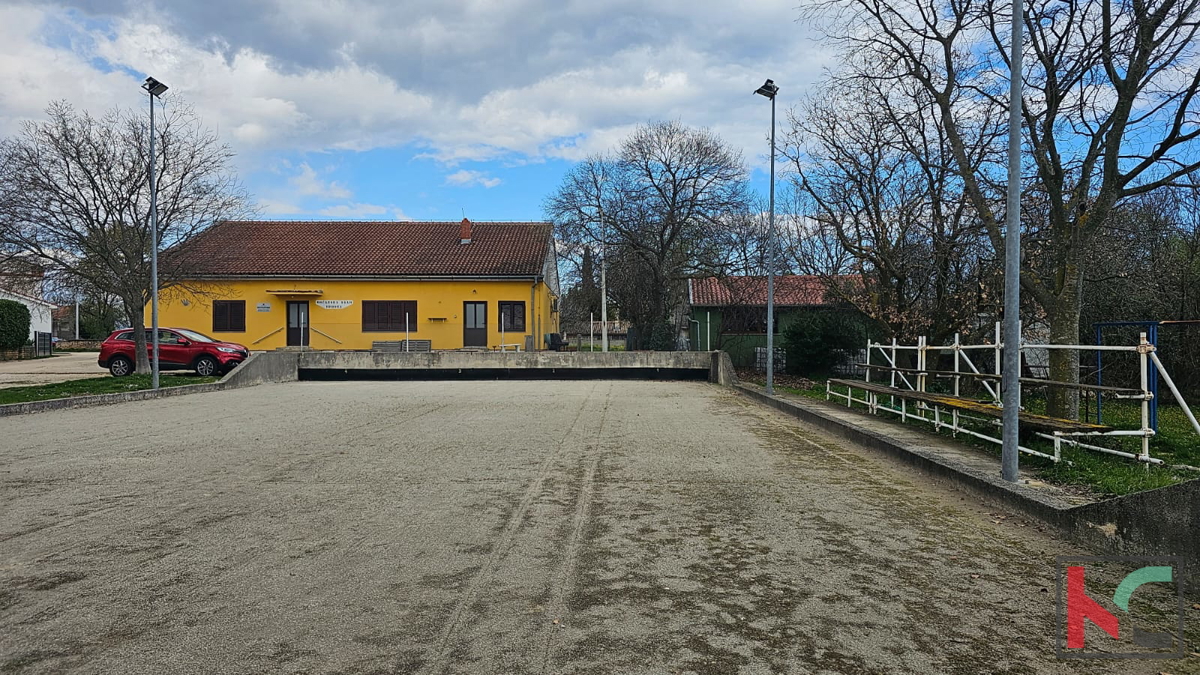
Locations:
column 42, row 344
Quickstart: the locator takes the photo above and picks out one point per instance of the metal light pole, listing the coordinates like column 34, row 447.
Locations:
column 604, row 299
column 155, row 89
column 1012, row 263
column 603, row 270
column 770, row 90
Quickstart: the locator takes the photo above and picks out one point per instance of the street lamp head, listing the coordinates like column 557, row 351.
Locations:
column 769, row 90
column 153, row 86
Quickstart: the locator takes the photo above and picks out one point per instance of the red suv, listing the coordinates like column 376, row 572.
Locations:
column 178, row 349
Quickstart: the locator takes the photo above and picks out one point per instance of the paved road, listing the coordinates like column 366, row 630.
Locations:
column 496, row 527
column 59, row 368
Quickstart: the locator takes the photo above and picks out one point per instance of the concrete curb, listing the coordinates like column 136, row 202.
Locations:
column 259, row 368
column 988, row 487
column 1155, row 522
column 106, row 399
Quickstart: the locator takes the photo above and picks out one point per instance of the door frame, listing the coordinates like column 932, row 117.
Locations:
column 303, row 331
column 478, row 336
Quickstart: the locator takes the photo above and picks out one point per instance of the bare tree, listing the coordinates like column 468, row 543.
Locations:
column 75, row 194
column 1145, row 266
column 869, row 171
column 661, row 209
column 1110, row 112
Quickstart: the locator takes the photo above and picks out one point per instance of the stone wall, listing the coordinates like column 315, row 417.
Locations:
column 90, row 345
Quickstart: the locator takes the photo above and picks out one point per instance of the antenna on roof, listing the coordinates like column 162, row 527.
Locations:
column 464, row 211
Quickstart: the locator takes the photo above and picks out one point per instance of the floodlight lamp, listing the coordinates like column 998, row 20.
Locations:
column 769, row 90
column 153, row 86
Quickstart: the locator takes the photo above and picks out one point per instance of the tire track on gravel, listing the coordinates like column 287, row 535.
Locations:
column 483, row 579
column 557, row 607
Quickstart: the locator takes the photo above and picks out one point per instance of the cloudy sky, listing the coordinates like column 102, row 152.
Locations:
column 421, row 109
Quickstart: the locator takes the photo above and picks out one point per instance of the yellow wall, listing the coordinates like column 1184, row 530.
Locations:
column 191, row 307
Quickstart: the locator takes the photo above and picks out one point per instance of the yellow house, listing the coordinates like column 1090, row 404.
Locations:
column 347, row 285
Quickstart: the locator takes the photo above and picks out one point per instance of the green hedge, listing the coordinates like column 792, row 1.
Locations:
column 14, row 324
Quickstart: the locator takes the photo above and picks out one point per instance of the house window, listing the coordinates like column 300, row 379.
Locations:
column 229, row 316
column 389, row 315
column 512, row 316
column 746, row 319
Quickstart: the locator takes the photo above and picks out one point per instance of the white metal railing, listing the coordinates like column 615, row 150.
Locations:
column 990, row 381
column 267, row 335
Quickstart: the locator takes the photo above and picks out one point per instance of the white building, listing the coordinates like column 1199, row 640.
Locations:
column 39, row 311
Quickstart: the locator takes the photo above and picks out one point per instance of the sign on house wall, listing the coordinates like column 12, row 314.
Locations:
column 334, row 304
column 264, row 306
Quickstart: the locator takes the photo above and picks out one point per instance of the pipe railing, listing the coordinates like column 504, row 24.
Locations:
column 932, row 413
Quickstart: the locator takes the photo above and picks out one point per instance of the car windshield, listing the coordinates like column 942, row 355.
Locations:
column 193, row 335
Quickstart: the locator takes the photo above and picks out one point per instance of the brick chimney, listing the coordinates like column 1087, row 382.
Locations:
column 465, row 231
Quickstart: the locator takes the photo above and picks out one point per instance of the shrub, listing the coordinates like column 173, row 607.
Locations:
column 14, row 324
column 814, row 340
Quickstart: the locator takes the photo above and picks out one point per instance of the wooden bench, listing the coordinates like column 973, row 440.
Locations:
column 1029, row 420
column 403, row 346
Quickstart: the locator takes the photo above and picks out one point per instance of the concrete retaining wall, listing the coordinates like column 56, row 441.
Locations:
column 1165, row 521
column 722, row 371
column 503, row 360
column 285, row 366
column 264, row 367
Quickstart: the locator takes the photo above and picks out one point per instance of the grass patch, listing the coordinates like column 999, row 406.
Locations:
column 95, row 385
column 1176, row 444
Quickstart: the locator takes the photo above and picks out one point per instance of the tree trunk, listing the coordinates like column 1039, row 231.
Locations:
column 1064, row 363
column 135, row 311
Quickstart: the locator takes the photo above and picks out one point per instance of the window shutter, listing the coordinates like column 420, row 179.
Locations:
column 220, row 316
column 238, row 316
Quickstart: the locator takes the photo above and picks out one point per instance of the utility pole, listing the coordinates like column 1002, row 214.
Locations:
column 1010, row 450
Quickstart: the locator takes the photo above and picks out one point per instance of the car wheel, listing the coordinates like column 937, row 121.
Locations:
column 206, row 366
column 120, row 366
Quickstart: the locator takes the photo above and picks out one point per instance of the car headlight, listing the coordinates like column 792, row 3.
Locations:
column 227, row 350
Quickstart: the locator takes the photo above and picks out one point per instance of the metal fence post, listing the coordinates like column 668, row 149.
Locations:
column 957, row 392
column 867, row 376
column 1147, row 396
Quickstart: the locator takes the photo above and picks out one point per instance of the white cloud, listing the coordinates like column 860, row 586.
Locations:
column 524, row 80
column 360, row 210
column 275, row 207
column 309, row 184
column 33, row 73
column 465, row 178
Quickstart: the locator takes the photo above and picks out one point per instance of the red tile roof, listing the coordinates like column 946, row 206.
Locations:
column 312, row 249
column 790, row 290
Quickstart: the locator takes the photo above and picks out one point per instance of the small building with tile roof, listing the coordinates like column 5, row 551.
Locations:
column 730, row 313
column 350, row 285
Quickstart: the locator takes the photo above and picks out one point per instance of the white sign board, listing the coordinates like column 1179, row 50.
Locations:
column 264, row 306
column 334, row 304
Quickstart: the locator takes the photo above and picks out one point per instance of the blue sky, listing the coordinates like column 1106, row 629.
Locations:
column 422, row 109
